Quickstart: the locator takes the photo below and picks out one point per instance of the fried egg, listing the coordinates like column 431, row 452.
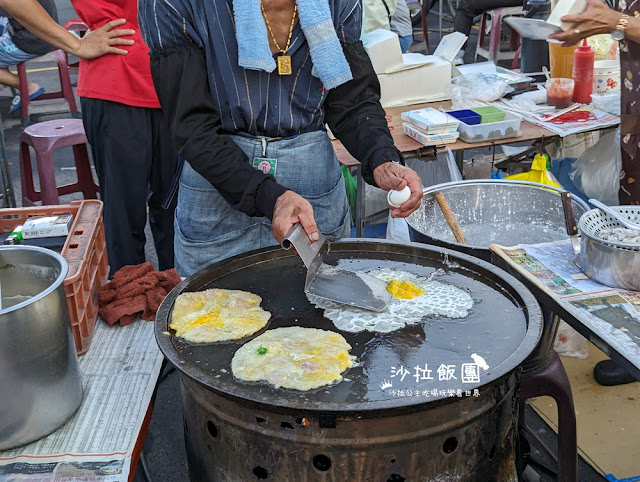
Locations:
column 217, row 315
column 294, row 357
column 413, row 298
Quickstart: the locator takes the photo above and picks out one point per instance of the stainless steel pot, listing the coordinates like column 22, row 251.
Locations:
column 492, row 211
column 608, row 262
column 39, row 373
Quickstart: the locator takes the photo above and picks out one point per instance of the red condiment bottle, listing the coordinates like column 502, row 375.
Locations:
column 583, row 58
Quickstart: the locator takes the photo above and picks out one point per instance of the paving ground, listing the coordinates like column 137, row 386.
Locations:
column 164, row 455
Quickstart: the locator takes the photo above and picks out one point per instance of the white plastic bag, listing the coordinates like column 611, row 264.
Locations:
column 475, row 89
column 570, row 343
column 597, row 171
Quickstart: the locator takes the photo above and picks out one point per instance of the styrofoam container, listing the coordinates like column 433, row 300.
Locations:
column 509, row 127
column 427, row 139
column 606, row 76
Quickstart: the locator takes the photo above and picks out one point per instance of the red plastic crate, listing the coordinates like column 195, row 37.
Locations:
column 86, row 253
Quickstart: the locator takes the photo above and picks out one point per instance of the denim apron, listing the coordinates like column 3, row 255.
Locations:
column 207, row 229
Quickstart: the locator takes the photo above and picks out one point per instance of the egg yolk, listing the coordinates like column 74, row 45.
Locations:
column 212, row 318
column 403, row 290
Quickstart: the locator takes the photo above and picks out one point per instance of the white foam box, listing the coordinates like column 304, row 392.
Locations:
column 384, row 50
column 424, row 78
column 565, row 7
column 426, row 83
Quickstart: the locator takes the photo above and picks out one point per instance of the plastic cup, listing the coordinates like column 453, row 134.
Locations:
column 559, row 92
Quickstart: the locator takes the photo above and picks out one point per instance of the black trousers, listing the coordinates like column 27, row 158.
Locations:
column 135, row 161
column 469, row 9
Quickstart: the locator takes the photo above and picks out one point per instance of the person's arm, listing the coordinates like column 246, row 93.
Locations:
column 596, row 19
column 355, row 116
column 94, row 44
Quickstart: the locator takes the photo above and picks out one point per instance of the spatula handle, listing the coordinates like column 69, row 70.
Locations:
column 450, row 218
column 297, row 237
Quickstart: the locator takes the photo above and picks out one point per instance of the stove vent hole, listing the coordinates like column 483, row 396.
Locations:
column 395, row 478
column 322, row 463
column 260, row 472
column 450, row 445
column 261, row 420
column 286, row 425
column 213, row 431
column 393, row 461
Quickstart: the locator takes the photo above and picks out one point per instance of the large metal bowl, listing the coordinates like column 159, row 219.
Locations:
column 608, row 262
column 492, row 211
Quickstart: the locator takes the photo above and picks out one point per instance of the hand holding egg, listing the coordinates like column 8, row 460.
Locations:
column 390, row 175
column 395, row 199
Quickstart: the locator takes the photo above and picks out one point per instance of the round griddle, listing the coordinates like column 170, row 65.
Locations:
column 503, row 327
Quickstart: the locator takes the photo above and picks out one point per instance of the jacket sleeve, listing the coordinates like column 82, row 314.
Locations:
column 355, row 116
column 180, row 78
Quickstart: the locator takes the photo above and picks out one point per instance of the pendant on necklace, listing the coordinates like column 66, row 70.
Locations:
column 284, row 65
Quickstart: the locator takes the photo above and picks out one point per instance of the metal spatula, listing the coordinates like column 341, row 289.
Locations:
column 333, row 283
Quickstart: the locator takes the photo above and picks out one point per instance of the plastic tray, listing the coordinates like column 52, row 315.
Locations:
column 86, row 253
column 467, row 116
column 509, row 127
column 489, row 114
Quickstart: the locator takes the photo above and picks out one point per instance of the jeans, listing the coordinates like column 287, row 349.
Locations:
column 405, row 42
column 10, row 54
column 207, row 229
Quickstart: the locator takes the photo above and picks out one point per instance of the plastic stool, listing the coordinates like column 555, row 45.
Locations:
column 493, row 52
column 45, row 138
column 66, row 91
column 76, row 25
column 552, row 381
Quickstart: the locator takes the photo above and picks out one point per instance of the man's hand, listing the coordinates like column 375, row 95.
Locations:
column 290, row 209
column 597, row 18
column 104, row 40
column 394, row 176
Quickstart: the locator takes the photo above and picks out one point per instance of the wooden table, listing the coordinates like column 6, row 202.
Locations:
column 412, row 148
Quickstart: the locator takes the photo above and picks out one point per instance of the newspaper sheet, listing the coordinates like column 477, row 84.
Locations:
column 612, row 315
column 119, row 373
column 581, row 119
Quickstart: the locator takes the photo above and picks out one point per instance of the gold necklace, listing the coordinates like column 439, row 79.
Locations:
column 284, row 60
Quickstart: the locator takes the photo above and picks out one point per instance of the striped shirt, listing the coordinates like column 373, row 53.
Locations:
column 253, row 102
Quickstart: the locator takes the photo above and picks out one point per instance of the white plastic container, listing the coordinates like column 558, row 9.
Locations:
column 606, row 76
column 509, row 127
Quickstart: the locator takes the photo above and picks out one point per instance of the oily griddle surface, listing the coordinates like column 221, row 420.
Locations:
column 495, row 329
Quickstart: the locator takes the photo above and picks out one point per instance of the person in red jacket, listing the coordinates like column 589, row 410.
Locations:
column 130, row 140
